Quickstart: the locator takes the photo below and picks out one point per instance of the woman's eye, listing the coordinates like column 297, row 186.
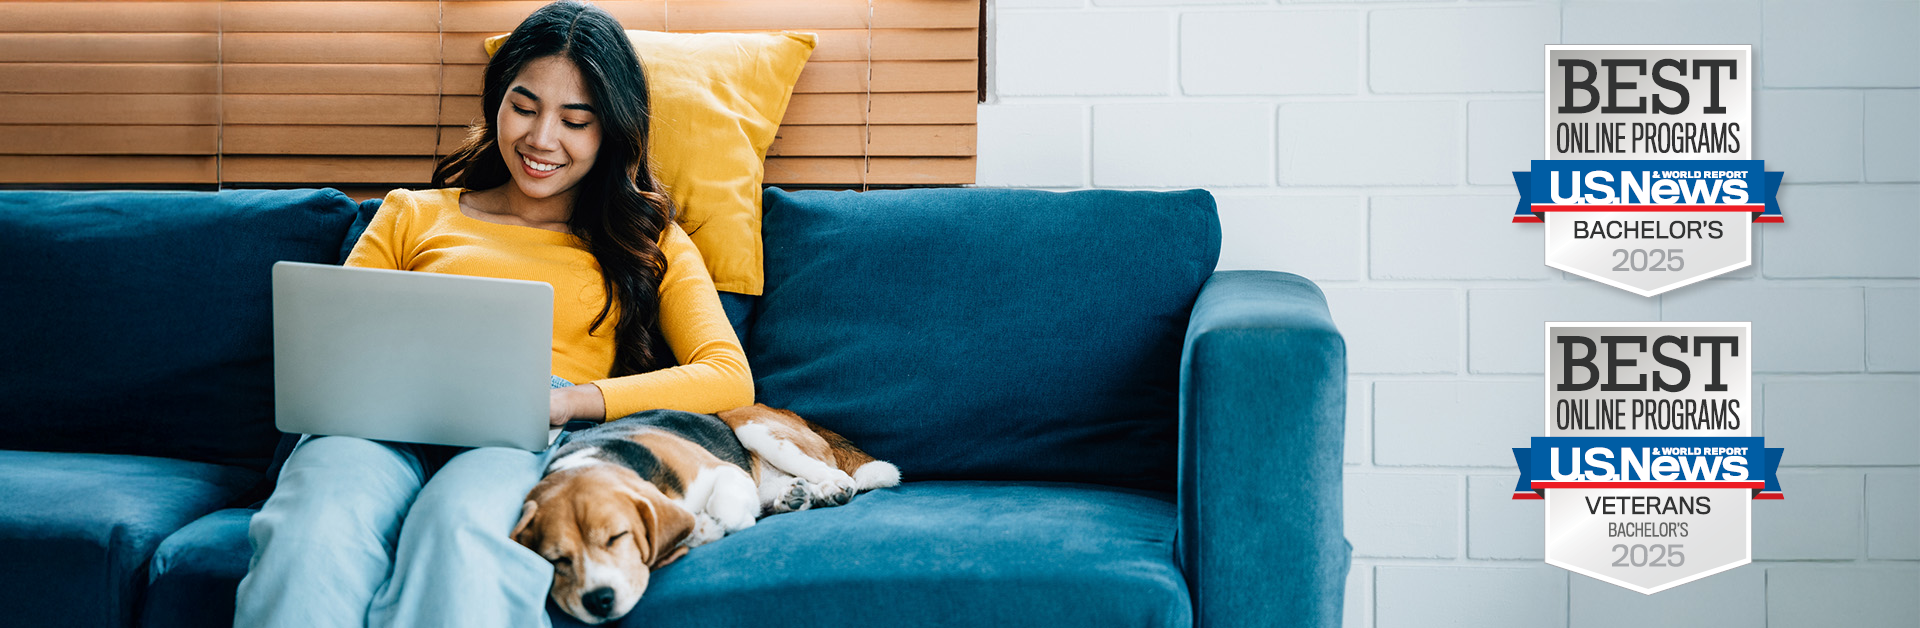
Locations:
column 524, row 112
column 571, row 125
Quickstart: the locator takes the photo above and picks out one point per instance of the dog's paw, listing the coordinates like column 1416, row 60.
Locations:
column 734, row 515
column 837, row 492
column 798, row 496
column 706, row 530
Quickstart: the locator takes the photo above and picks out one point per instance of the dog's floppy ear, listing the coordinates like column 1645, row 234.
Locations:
column 667, row 525
column 675, row 555
column 526, row 519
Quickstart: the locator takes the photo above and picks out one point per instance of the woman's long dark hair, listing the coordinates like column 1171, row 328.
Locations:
column 620, row 209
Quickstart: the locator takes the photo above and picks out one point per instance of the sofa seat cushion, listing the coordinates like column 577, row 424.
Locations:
column 936, row 553
column 947, row 553
column 195, row 572
column 76, row 530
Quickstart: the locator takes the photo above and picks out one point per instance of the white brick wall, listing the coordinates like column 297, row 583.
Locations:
column 1224, row 52
column 1501, row 134
column 1460, row 49
column 1819, row 519
column 1033, row 146
column 1481, row 597
column 1694, row 22
column 1370, row 143
column 1398, row 331
column 1893, row 341
column 1323, row 238
column 1505, row 334
column 1795, row 329
column 1154, row 145
column 1418, row 423
column 1893, row 150
column 1359, row 421
column 1813, row 133
column 1734, row 599
column 1845, row 421
column 1893, row 502
column 1086, row 53
column 1499, row 526
column 1841, row 43
column 1846, row 231
column 1359, row 602
column 1863, row 596
column 1404, row 515
column 1453, row 231
column 1369, row 146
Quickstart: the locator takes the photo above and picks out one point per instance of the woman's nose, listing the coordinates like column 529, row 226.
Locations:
column 545, row 133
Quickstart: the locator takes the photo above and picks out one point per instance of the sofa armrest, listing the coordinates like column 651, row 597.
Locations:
column 1263, row 383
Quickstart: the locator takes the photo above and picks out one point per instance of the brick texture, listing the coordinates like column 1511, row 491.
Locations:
column 1264, row 52
column 1484, row 597
column 1460, row 49
column 1083, row 54
column 1403, row 515
column 1182, row 145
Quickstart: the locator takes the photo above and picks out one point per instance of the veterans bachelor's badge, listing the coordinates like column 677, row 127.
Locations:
column 1648, row 185
column 1649, row 466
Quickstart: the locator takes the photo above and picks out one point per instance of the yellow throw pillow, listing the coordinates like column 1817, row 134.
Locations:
column 717, row 102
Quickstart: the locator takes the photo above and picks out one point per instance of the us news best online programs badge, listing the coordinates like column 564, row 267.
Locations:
column 1649, row 466
column 1648, row 182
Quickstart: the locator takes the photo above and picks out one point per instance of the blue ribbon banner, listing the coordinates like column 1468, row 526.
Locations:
column 1622, row 185
column 1648, row 462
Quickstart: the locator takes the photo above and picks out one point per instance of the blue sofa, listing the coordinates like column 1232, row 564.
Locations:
column 1096, row 429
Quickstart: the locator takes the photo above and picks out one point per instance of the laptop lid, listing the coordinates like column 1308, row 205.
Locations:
column 413, row 357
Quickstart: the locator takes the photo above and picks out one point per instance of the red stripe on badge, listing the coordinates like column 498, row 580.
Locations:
column 1756, row 484
column 1648, row 208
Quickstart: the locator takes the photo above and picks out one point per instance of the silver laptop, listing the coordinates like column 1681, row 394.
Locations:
column 412, row 356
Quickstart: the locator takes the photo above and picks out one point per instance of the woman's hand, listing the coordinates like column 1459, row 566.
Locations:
column 576, row 402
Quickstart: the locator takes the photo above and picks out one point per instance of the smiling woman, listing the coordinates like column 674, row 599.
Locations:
column 551, row 186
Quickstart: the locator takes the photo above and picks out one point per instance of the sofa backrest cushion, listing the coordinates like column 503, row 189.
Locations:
column 367, row 209
column 141, row 322
column 986, row 334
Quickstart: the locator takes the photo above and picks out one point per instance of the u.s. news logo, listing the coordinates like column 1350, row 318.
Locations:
column 1647, row 185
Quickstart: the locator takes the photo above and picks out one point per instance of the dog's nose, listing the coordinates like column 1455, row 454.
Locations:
column 598, row 601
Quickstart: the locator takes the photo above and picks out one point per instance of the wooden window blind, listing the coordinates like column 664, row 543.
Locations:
column 109, row 93
column 369, row 93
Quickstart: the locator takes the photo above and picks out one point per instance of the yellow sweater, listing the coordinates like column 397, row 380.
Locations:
column 425, row 230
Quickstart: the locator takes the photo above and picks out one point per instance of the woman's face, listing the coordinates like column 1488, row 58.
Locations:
column 549, row 133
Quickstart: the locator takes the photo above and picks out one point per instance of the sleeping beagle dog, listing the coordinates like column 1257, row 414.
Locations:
column 621, row 499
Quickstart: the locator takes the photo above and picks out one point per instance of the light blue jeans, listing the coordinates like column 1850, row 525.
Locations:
column 330, row 547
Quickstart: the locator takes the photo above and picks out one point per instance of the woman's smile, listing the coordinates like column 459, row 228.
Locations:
column 538, row 169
